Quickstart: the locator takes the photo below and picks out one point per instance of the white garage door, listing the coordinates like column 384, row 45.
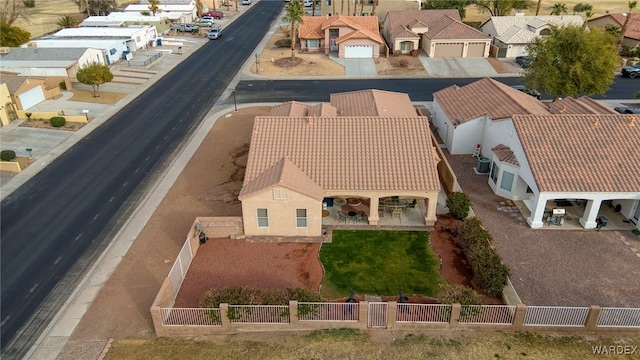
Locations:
column 358, row 51
column 31, row 97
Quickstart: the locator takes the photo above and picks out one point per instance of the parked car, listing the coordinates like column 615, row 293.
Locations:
column 532, row 92
column 308, row 3
column 184, row 27
column 215, row 33
column 524, row 61
column 246, row 2
column 631, row 71
column 215, row 14
column 206, row 21
column 627, row 110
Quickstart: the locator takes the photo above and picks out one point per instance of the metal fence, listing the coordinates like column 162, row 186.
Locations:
column 378, row 312
column 181, row 266
column 423, row 313
column 147, row 61
column 190, row 317
column 259, row 314
column 308, row 311
column 487, row 314
column 556, row 316
column 619, row 317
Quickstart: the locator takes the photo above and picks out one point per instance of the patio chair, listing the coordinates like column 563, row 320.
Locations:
column 359, row 216
column 342, row 217
column 397, row 211
column 412, row 204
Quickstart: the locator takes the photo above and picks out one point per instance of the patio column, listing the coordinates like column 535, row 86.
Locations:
column 431, row 203
column 374, row 218
column 535, row 220
column 588, row 219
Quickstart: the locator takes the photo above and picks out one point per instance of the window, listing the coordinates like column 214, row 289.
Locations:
column 406, row 46
column 279, row 194
column 529, row 191
column 494, row 173
column 263, row 218
column 328, row 2
column 301, row 218
column 313, row 44
column 507, row 181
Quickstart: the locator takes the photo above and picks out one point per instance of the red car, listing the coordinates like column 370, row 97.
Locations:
column 215, row 14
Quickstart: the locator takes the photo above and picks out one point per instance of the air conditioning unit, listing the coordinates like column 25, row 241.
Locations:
column 5, row 50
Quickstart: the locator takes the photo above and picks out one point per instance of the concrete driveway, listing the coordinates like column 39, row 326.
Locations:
column 457, row 67
column 357, row 67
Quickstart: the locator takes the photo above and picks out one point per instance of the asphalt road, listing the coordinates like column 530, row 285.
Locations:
column 57, row 223
column 251, row 91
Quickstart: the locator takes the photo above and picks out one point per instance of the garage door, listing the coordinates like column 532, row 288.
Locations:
column 448, row 50
column 475, row 50
column 31, row 97
column 358, row 51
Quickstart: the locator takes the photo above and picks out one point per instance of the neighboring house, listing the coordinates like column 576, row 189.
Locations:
column 183, row 12
column 326, row 7
column 27, row 91
column 537, row 153
column 512, row 34
column 139, row 37
column 347, row 36
column 8, row 110
column 367, row 144
column 631, row 36
column 53, row 64
column 440, row 33
column 112, row 50
column 126, row 19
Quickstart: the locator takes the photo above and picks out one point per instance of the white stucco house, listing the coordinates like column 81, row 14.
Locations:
column 137, row 37
column 111, row 49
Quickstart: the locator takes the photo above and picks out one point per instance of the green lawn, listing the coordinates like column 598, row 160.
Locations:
column 380, row 263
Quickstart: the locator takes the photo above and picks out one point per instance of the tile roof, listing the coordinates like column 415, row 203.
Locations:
column 13, row 82
column 353, row 153
column 373, row 102
column 582, row 153
column 449, row 28
column 283, row 173
column 290, row 108
column 633, row 28
column 516, row 35
column 313, row 27
column 441, row 24
column 581, row 105
column 322, row 109
column 504, row 23
column 486, row 96
column 505, row 154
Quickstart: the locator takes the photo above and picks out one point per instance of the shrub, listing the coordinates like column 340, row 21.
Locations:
column 7, row 155
column 397, row 52
column 459, row 204
column 57, row 121
column 403, row 63
column 283, row 43
column 453, row 293
column 145, row 13
column 238, row 295
column 472, row 233
column 488, row 270
column 29, row 3
column 414, row 52
column 63, row 85
column 28, row 115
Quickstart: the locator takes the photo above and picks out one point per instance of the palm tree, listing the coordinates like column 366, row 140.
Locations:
column 341, row 7
column 349, row 7
column 587, row 15
column 559, row 9
column 361, row 7
column 293, row 13
column 153, row 6
column 67, row 21
column 632, row 5
column 373, row 10
column 333, row 5
column 538, row 7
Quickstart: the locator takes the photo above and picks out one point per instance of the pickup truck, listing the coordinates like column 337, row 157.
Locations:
column 183, row 27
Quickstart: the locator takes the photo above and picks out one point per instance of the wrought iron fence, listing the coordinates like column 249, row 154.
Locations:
column 556, row 316
column 619, row 317
column 308, row 311
column 190, row 317
column 259, row 314
column 487, row 314
column 423, row 313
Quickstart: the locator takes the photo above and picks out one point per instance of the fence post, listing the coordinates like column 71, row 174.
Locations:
column 592, row 318
column 156, row 317
column 363, row 314
column 455, row 315
column 293, row 312
column 391, row 314
column 224, row 316
column 518, row 317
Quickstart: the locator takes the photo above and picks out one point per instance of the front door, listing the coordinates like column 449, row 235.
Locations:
column 636, row 214
column 333, row 35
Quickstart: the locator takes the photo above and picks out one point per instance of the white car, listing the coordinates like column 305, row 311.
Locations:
column 308, row 3
column 215, row 33
column 246, row 2
column 206, row 21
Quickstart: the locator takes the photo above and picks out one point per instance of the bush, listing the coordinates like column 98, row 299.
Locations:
column 7, row 155
column 488, row 270
column 414, row 52
column 283, row 43
column 63, row 85
column 397, row 52
column 464, row 295
column 403, row 63
column 57, row 121
column 29, row 3
column 472, row 233
column 459, row 204
column 238, row 295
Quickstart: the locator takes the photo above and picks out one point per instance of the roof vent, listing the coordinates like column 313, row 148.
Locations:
column 5, row 50
column 632, row 121
column 310, row 120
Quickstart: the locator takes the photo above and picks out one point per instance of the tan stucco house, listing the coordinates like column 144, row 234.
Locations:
column 368, row 144
column 440, row 33
column 631, row 36
column 346, row 36
column 27, row 91
column 366, row 8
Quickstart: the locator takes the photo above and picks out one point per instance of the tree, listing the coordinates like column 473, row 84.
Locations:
column 632, row 5
column 460, row 5
column 582, row 7
column 67, row 21
column 199, row 7
column 558, row 9
column 373, row 9
column 12, row 36
column 501, row 7
column 538, row 7
column 94, row 74
column 293, row 14
column 12, row 10
column 96, row 7
column 572, row 61
column 153, row 6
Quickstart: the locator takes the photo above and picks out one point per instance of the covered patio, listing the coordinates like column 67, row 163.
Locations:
column 391, row 211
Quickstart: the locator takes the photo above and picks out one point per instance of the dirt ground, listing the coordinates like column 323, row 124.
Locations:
column 105, row 97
